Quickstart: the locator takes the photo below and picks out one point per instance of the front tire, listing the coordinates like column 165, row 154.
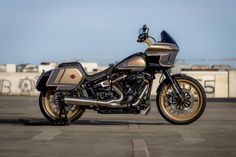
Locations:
column 50, row 109
column 178, row 111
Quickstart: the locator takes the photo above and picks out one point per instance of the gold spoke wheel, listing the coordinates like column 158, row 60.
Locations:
column 50, row 107
column 181, row 111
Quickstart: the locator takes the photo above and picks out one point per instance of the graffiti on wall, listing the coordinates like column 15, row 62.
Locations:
column 208, row 85
column 5, row 86
column 25, row 86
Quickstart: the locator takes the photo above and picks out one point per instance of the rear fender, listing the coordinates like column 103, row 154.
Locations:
column 42, row 80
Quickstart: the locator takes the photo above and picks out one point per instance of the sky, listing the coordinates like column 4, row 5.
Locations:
column 106, row 31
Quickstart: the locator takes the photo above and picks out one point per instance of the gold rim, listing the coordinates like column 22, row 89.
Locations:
column 53, row 109
column 182, row 111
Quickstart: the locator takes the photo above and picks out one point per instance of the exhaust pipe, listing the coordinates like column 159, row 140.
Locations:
column 93, row 102
column 141, row 96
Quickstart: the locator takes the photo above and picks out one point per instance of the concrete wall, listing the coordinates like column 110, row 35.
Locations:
column 18, row 83
column 217, row 84
column 232, row 84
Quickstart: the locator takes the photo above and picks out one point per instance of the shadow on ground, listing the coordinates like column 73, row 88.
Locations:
column 43, row 122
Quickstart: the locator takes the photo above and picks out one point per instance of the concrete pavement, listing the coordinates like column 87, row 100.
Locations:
column 25, row 132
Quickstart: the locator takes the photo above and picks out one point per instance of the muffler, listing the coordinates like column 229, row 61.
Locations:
column 93, row 102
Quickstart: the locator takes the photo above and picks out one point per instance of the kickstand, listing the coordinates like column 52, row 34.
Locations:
column 61, row 120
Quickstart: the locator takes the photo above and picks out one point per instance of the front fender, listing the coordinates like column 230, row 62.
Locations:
column 42, row 80
column 178, row 75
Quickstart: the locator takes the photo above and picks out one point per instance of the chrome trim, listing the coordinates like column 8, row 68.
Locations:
column 141, row 95
column 93, row 102
column 146, row 111
column 118, row 79
column 103, row 84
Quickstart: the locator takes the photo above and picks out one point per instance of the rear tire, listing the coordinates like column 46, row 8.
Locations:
column 181, row 112
column 50, row 110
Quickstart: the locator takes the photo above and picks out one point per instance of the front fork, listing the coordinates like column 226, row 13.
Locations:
column 175, row 84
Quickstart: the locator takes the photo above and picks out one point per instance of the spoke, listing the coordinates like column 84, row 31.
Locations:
column 179, row 106
column 187, row 96
column 183, row 107
column 195, row 93
column 174, row 102
column 176, row 106
column 196, row 100
column 190, row 87
column 190, row 110
column 173, row 111
column 186, row 106
column 184, row 85
column 187, row 102
column 168, row 107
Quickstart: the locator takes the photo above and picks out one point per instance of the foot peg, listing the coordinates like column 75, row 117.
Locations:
column 146, row 110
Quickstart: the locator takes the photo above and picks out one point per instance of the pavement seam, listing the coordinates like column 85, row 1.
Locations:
column 46, row 135
column 133, row 126
column 190, row 137
column 140, row 148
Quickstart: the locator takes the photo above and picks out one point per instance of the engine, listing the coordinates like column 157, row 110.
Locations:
column 130, row 85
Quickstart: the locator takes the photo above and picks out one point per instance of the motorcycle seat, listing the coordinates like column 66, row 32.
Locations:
column 99, row 74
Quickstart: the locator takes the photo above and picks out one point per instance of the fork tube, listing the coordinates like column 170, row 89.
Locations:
column 174, row 83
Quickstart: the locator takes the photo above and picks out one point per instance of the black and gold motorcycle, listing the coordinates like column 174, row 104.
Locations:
column 67, row 91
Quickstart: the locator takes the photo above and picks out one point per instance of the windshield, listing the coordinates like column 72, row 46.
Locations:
column 165, row 37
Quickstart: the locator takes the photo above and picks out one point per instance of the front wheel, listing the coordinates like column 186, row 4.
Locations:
column 185, row 110
column 49, row 104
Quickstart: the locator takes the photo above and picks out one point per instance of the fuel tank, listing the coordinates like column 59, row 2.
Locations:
column 135, row 62
column 66, row 78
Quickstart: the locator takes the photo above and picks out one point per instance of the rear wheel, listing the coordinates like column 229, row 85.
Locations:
column 49, row 104
column 181, row 111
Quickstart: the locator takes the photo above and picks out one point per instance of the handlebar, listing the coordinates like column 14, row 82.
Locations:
column 143, row 34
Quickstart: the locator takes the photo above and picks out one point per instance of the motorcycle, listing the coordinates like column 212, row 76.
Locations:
column 67, row 91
